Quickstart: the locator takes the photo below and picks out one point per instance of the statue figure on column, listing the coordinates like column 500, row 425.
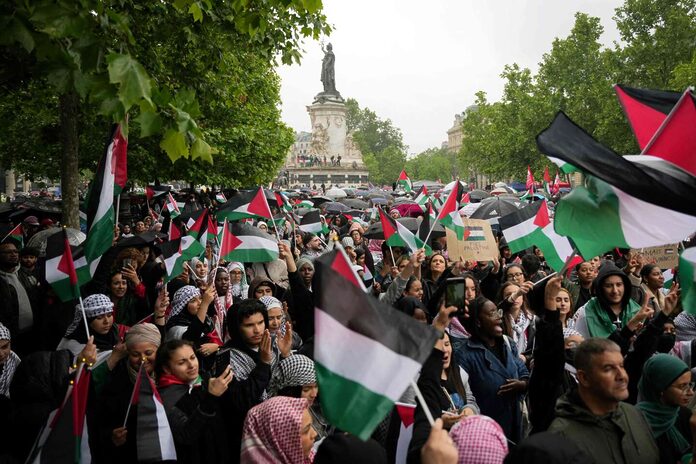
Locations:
column 328, row 75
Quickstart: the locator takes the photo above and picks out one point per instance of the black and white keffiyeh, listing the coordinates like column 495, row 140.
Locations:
column 294, row 371
column 95, row 305
column 182, row 298
column 10, row 365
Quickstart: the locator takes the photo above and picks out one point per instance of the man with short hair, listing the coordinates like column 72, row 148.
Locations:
column 26, row 299
column 594, row 415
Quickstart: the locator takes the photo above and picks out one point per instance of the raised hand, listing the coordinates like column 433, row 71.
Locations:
column 218, row 385
column 265, row 350
column 285, row 342
column 553, row 286
column 672, row 299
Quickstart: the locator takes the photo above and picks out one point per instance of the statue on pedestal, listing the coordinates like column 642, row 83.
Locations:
column 328, row 77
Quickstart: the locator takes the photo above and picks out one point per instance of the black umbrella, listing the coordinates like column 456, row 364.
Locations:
column 354, row 203
column 319, row 200
column 375, row 230
column 478, row 195
column 146, row 238
column 335, row 207
column 495, row 207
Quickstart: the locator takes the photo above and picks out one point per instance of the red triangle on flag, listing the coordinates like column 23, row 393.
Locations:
column 342, row 266
column 644, row 119
column 542, row 217
column 119, row 158
column 259, row 205
column 388, row 228
column 467, row 233
column 406, row 413
column 66, row 265
column 229, row 240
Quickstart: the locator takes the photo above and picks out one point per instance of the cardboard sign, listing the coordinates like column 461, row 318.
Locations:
column 478, row 243
column 665, row 256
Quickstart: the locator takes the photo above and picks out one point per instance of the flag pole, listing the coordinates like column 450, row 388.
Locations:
column 84, row 315
column 135, row 385
column 422, row 402
column 118, row 207
column 431, row 230
column 660, row 129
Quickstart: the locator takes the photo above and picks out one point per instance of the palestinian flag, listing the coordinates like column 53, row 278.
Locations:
column 247, row 244
column 390, row 231
column 432, row 213
column 668, row 275
column 423, row 231
column 566, row 168
column 279, row 222
column 176, row 252
column 547, row 180
column 646, row 110
column 172, row 206
column 246, row 205
column 311, row 222
column 16, row 234
column 675, row 140
column 627, row 202
column 174, row 231
column 64, row 439
column 154, row 442
column 305, row 204
column 406, row 414
column 687, row 279
column 283, row 202
column 531, row 226
column 466, row 199
column 109, row 179
column 220, row 198
column 404, row 182
column 449, row 214
column 352, row 327
column 474, row 234
column 204, row 227
column 155, row 191
column 422, row 198
column 66, row 267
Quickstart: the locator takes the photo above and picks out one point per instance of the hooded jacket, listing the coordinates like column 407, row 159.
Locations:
column 257, row 281
column 599, row 307
column 620, row 437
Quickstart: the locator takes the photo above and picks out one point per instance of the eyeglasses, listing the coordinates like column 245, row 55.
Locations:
column 515, row 275
column 686, row 388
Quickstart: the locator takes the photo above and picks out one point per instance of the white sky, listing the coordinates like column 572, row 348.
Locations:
column 419, row 63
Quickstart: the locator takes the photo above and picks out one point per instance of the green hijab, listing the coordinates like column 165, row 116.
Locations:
column 598, row 321
column 659, row 372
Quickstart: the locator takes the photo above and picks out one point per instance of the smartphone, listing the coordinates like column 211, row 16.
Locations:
column 221, row 362
column 127, row 262
column 455, row 293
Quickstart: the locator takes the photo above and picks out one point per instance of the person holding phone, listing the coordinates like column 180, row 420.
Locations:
column 192, row 403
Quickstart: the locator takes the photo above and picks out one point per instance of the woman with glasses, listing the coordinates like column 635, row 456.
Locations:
column 515, row 274
column 664, row 391
column 238, row 281
column 497, row 375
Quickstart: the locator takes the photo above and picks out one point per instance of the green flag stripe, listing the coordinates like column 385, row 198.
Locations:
column 350, row 406
column 100, row 236
column 687, row 275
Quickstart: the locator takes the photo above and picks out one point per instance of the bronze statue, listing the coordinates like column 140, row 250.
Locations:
column 328, row 75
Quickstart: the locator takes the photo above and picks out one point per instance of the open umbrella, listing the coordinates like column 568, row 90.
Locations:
column 478, row 195
column 336, row 193
column 493, row 208
column 335, row 207
column 354, row 203
column 379, row 201
column 318, row 200
column 462, row 186
column 38, row 240
column 379, row 194
column 409, row 209
column 375, row 230
column 148, row 237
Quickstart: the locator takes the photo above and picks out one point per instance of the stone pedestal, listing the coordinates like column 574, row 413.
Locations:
column 329, row 134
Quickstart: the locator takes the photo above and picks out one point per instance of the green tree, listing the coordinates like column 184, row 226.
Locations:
column 118, row 57
column 381, row 144
column 433, row 164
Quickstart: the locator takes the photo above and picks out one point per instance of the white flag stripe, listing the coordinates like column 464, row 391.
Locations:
column 344, row 352
column 520, row 230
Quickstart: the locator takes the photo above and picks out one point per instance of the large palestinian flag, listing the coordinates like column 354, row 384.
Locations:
column 351, row 328
column 247, row 244
column 645, row 109
column 531, row 226
column 246, row 205
column 64, row 439
column 627, row 202
column 66, row 267
column 311, row 222
column 176, row 252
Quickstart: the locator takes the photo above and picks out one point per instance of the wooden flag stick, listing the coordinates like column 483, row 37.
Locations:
column 135, row 385
column 422, row 402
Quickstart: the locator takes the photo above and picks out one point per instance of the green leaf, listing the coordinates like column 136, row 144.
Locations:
column 150, row 123
column 200, row 149
column 195, row 10
column 59, row 78
column 174, row 144
column 312, row 5
column 17, row 31
column 133, row 80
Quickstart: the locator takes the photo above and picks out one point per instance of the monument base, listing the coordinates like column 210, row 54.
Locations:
column 330, row 176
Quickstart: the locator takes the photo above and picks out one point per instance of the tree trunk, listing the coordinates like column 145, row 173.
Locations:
column 69, row 172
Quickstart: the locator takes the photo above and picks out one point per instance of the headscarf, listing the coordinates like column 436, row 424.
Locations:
column 195, row 261
column 685, row 325
column 659, row 372
column 343, row 448
column 347, row 242
column 599, row 322
column 95, row 305
column 295, row 371
column 10, row 366
column 143, row 333
column 222, row 304
column 272, row 432
column 241, row 289
column 479, row 440
column 304, row 262
column 182, row 298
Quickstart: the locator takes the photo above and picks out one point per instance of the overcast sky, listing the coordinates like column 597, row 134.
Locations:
column 419, row 63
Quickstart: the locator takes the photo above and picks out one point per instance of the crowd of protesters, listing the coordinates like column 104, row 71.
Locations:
column 580, row 368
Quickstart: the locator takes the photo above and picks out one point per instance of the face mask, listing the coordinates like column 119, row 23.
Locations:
column 570, row 355
column 666, row 342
